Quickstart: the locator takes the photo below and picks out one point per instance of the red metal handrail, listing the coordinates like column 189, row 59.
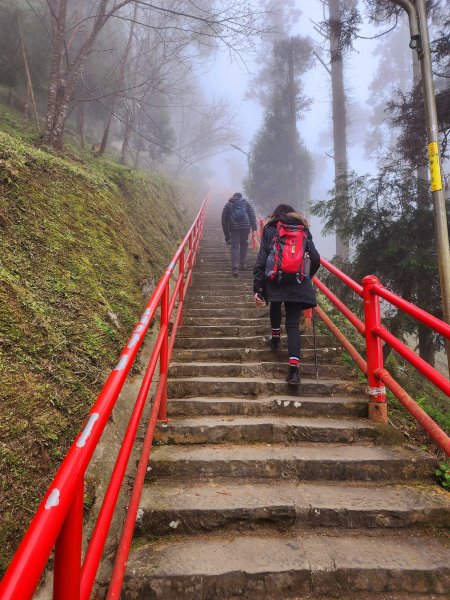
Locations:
column 58, row 521
column 373, row 367
column 374, row 333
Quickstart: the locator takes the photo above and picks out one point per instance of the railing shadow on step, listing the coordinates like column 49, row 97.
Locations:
column 374, row 332
column 58, row 522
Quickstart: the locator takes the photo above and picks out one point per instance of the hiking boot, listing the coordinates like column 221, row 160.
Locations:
column 274, row 342
column 235, row 273
column 293, row 376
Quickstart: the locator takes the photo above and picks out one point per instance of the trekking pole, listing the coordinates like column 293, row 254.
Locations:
column 315, row 345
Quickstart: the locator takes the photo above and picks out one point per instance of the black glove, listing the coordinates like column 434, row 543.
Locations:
column 228, row 241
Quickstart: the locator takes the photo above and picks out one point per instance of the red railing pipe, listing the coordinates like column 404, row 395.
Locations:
column 24, row 572
column 342, row 276
column 100, row 533
column 348, row 346
column 66, row 572
column 432, row 428
column 412, row 310
column 421, row 365
column 164, row 354
column 357, row 323
column 126, row 537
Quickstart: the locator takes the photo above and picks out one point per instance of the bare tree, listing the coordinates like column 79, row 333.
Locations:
column 76, row 26
column 202, row 131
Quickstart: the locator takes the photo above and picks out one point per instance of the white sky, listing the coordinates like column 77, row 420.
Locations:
column 231, row 80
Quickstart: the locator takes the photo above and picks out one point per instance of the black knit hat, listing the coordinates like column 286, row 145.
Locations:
column 237, row 195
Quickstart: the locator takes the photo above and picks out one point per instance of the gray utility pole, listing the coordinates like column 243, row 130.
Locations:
column 247, row 154
column 420, row 41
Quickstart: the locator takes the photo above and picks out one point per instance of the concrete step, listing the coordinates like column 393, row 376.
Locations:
column 224, row 298
column 251, row 341
column 241, row 355
column 331, row 406
column 262, row 327
column 265, row 370
column 303, row 461
column 229, row 321
column 209, row 331
column 247, row 310
column 273, row 429
column 214, row 302
column 278, row 567
column 239, row 312
column 241, row 505
column 227, row 282
column 215, row 274
column 253, row 387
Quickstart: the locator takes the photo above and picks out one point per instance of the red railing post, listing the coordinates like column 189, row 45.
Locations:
column 374, row 351
column 67, row 570
column 196, row 241
column 164, row 356
column 181, row 267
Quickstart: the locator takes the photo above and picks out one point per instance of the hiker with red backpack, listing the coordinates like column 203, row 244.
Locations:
column 238, row 217
column 286, row 263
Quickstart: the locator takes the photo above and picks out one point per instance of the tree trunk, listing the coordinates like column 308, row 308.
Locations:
column 27, row 76
column 81, row 110
column 292, row 96
column 59, row 10
column 138, row 152
column 426, row 348
column 126, row 138
column 339, row 114
column 120, row 84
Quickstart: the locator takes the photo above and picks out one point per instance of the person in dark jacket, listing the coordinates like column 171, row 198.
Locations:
column 297, row 296
column 238, row 217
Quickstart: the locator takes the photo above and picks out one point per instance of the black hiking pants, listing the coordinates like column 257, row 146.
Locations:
column 293, row 312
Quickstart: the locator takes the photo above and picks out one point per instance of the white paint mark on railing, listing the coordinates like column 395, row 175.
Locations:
column 122, row 363
column 53, row 499
column 134, row 340
column 87, row 430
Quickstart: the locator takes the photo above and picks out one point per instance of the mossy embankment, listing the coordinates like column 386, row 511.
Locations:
column 79, row 239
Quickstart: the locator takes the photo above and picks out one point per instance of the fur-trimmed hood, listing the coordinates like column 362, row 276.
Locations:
column 291, row 217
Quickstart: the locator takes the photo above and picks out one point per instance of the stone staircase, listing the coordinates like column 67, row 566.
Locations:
column 257, row 490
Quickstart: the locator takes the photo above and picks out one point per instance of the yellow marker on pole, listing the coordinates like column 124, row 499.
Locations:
column 435, row 167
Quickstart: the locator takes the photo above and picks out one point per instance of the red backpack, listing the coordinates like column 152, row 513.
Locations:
column 286, row 261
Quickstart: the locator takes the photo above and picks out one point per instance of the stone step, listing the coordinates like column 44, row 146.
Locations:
column 261, row 327
column 229, row 321
column 240, row 312
column 223, row 298
column 250, row 387
column 215, row 273
column 303, row 461
column 265, row 370
column 240, row 355
column 272, row 429
column 281, row 566
column 331, row 406
column 253, row 341
column 223, row 279
column 184, row 508
column 233, row 287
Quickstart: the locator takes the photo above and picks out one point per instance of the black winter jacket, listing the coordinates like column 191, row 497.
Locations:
column 229, row 224
column 285, row 292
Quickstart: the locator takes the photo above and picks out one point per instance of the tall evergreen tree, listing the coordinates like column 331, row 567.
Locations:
column 280, row 166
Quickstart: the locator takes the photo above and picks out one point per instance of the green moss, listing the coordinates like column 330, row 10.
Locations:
column 77, row 239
